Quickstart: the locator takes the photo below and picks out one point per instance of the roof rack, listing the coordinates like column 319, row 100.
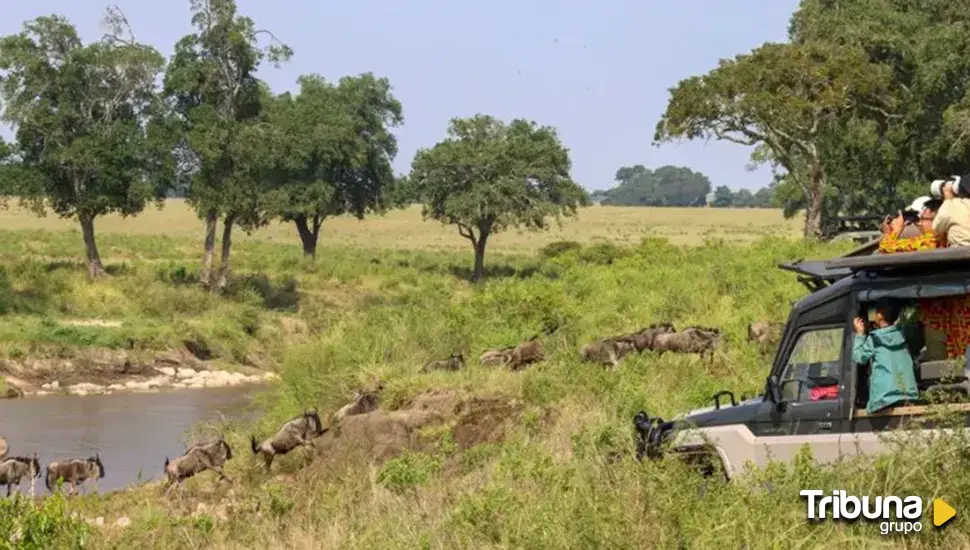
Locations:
column 816, row 274
column 954, row 255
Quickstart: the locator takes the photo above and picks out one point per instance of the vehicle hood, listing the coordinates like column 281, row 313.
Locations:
column 727, row 414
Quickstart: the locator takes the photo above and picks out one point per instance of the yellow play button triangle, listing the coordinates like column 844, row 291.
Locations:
column 942, row 512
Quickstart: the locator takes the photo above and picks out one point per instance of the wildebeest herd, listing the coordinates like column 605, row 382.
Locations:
column 303, row 429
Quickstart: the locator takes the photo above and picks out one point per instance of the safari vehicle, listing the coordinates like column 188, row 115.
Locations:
column 815, row 351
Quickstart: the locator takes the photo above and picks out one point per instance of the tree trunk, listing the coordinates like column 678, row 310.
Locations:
column 95, row 267
column 479, row 257
column 224, row 259
column 816, row 198
column 309, row 234
column 211, row 220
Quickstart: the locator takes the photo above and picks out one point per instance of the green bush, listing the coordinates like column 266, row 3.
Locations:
column 45, row 526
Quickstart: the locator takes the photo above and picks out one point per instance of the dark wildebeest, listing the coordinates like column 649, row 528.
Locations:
column 197, row 459
column 690, row 340
column 299, row 431
column 15, row 468
column 496, row 357
column 608, row 351
column 455, row 362
column 74, row 472
column 526, row 353
column 364, row 402
column 763, row 332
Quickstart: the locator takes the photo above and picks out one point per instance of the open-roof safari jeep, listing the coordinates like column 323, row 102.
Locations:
column 815, row 350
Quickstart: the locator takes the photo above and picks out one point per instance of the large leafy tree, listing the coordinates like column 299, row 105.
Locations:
column 219, row 104
column 924, row 47
column 487, row 176
column 335, row 151
column 83, row 117
column 783, row 97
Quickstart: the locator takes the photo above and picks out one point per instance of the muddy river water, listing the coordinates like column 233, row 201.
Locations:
column 132, row 432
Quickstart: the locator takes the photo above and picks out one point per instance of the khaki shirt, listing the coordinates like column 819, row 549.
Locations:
column 953, row 219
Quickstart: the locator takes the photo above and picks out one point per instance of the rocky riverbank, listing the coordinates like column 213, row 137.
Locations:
column 99, row 371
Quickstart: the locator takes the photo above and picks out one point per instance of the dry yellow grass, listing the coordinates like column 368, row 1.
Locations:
column 404, row 229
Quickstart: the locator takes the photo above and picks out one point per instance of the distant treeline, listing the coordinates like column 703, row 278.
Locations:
column 676, row 186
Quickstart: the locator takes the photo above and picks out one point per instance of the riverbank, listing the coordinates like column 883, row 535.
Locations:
column 97, row 371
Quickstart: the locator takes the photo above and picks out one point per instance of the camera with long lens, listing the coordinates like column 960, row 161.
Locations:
column 959, row 187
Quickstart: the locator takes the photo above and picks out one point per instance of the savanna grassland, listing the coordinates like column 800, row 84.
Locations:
column 541, row 458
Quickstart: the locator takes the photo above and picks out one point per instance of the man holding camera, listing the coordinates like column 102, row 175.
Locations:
column 912, row 229
column 952, row 222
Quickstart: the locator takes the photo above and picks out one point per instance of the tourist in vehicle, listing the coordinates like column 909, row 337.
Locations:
column 899, row 236
column 952, row 222
column 892, row 377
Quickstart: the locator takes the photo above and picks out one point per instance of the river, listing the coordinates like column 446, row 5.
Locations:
column 132, row 432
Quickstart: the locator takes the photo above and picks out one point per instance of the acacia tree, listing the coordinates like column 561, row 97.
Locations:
column 487, row 176
column 82, row 116
column 784, row 97
column 336, row 149
column 214, row 94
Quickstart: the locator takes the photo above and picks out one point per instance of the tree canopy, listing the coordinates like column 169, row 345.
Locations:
column 782, row 98
column 666, row 186
column 335, row 149
column 219, row 105
column 487, row 176
column 83, row 118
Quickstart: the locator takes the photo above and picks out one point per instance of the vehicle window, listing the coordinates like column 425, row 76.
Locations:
column 815, row 360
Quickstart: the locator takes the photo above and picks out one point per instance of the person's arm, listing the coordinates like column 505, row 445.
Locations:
column 862, row 348
column 942, row 221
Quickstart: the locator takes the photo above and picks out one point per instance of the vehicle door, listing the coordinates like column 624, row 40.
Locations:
column 814, row 355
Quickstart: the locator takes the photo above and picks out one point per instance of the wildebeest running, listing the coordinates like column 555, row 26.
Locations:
column 364, row 402
column 13, row 470
column 74, row 472
column 455, row 362
column 299, row 431
column 197, row 459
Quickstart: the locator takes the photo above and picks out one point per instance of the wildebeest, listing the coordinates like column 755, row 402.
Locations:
column 455, row 362
column 297, row 432
column 608, row 351
column 364, row 402
column 526, row 353
column 763, row 332
column 14, row 468
column 197, row 459
column 643, row 340
column 496, row 357
column 690, row 340
column 74, row 472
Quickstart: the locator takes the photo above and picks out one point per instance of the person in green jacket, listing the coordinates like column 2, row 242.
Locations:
column 892, row 376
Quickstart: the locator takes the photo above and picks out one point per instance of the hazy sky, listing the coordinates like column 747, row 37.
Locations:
column 598, row 71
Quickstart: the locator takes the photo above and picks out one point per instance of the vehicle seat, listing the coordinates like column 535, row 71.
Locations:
column 943, row 376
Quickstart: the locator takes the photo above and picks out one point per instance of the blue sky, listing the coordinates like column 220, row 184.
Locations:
column 598, row 71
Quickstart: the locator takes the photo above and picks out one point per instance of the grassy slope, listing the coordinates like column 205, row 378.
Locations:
column 382, row 313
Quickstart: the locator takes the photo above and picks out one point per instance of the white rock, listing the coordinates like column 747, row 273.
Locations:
column 45, row 387
column 270, row 376
column 122, row 522
column 55, row 385
column 186, row 373
column 42, row 393
column 80, row 393
column 167, row 371
column 116, row 387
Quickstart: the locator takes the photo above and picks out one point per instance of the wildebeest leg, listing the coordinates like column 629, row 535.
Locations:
column 9, row 486
column 268, row 459
column 222, row 475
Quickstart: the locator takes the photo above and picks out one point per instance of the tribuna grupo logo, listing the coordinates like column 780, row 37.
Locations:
column 895, row 514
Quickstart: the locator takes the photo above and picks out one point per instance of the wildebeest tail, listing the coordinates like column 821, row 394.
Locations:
column 166, row 462
column 252, row 443
column 47, row 480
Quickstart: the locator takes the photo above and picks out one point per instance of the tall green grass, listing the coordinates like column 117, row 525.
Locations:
column 563, row 477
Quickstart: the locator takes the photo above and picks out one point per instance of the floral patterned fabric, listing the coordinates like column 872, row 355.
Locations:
column 950, row 315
